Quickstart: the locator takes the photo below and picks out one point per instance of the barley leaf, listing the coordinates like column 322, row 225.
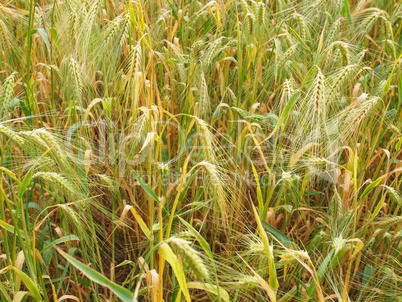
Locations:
column 34, row 291
column 60, row 240
column 286, row 111
column 121, row 292
column 147, row 189
column 170, row 257
column 204, row 244
column 223, row 294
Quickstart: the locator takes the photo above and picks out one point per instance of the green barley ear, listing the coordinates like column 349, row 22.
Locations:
column 360, row 5
column 44, row 163
column 289, row 52
column 4, row 36
column 318, row 3
column 232, row 96
column 256, row 247
column 34, row 141
column 318, row 98
column 50, row 141
column 10, row 134
column 338, row 5
column 343, row 47
column 208, row 141
column 338, row 243
column 187, row 235
column 337, row 57
column 335, row 206
column 72, row 215
column 247, row 281
column 333, row 34
column 289, row 258
column 354, row 114
column 190, row 256
column 280, row 5
column 77, row 78
column 134, row 65
column 214, row 50
column 6, row 94
column 217, row 185
column 261, row 13
column 360, row 56
column 387, row 222
column 344, row 74
column 368, row 22
column 394, row 129
column 203, row 103
column 288, row 88
column 198, row 44
column 394, row 195
column 57, row 181
column 124, row 30
column 112, row 29
column 93, row 11
column 72, row 26
column 245, row 6
column 39, row 17
column 249, row 21
column 301, row 22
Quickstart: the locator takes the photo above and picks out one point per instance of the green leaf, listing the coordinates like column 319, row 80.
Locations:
column 278, row 234
column 346, row 8
column 137, row 217
column 320, row 273
column 304, row 45
column 367, row 273
column 9, row 228
column 122, row 293
column 390, row 113
column 27, row 281
column 25, row 183
column 45, row 38
column 387, row 85
column 287, row 207
column 398, row 144
column 217, row 111
column 203, row 243
column 230, row 59
column 10, row 174
column 4, row 293
column 372, row 186
column 145, row 186
column 286, row 111
column 289, row 295
column 60, row 240
column 170, row 257
column 273, row 280
column 18, row 296
column 175, row 15
column 125, row 262
column 213, row 289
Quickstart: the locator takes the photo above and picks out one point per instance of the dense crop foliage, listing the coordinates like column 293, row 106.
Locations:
column 190, row 151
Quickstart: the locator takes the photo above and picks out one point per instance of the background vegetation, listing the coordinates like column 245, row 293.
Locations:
column 193, row 151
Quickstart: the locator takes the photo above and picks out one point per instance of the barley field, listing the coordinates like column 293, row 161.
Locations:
column 186, row 150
